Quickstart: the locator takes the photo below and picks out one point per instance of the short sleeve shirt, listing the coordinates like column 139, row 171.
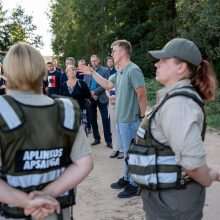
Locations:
column 127, row 81
column 179, row 123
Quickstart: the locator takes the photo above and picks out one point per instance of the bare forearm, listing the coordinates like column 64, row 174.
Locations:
column 142, row 101
column 12, row 196
column 203, row 175
column 72, row 176
column 100, row 80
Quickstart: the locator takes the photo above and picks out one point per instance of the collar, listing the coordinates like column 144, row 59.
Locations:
column 30, row 97
column 162, row 92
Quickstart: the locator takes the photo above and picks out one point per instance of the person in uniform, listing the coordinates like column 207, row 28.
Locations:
column 15, row 197
column 42, row 144
column 168, row 158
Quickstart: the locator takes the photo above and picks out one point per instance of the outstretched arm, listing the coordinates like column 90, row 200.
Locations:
column 99, row 79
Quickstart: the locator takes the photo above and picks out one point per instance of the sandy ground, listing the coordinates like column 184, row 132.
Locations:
column 97, row 201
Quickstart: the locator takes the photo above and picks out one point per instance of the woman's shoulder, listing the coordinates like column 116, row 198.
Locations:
column 81, row 83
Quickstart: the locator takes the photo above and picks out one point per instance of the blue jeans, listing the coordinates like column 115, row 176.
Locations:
column 127, row 131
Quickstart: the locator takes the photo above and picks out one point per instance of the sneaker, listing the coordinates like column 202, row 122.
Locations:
column 128, row 191
column 120, row 184
column 120, row 155
column 114, row 154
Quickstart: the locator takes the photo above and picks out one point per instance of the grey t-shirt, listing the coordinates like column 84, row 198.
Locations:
column 127, row 107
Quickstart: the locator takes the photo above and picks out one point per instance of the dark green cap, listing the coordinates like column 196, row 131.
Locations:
column 180, row 48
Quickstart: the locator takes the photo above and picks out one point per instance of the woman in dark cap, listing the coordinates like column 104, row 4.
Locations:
column 172, row 170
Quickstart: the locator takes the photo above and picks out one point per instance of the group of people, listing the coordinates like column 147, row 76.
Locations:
column 85, row 90
column 44, row 150
column 167, row 157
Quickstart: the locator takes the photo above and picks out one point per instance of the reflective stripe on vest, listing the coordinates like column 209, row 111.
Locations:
column 69, row 113
column 32, row 163
column 33, row 179
column 144, row 168
column 152, row 164
column 8, row 114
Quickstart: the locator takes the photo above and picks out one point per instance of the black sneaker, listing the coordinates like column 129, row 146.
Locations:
column 114, row 154
column 120, row 155
column 128, row 191
column 120, row 184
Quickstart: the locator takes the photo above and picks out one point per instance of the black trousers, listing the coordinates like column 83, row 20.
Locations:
column 103, row 108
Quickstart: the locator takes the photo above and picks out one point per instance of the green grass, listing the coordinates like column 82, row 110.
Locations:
column 213, row 120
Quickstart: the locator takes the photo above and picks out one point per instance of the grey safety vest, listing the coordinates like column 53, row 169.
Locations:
column 152, row 164
column 36, row 143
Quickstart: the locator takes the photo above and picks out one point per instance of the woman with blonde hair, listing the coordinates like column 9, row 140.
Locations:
column 42, row 145
column 77, row 89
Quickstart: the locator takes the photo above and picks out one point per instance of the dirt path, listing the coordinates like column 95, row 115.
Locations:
column 97, row 201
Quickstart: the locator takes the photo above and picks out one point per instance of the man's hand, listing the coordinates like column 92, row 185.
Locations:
column 85, row 69
column 94, row 96
column 112, row 99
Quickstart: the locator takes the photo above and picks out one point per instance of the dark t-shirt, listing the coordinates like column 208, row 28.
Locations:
column 80, row 92
column 53, row 80
column 63, row 78
column 79, row 75
column 2, row 86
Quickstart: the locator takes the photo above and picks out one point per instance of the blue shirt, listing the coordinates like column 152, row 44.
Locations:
column 93, row 83
column 112, row 71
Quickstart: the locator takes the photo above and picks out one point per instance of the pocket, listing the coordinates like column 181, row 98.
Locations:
column 168, row 200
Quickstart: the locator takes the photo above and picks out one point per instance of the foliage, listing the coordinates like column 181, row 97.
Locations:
column 213, row 112
column 85, row 27
column 201, row 23
column 17, row 27
column 4, row 35
column 199, row 20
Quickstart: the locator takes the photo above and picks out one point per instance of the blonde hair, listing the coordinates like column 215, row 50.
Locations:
column 124, row 44
column 24, row 67
column 70, row 67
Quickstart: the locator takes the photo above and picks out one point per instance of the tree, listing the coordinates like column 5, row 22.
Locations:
column 19, row 27
column 84, row 27
column 199, row 21
column 4, row 36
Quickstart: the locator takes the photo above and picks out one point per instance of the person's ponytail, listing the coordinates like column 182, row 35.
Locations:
column 205, row 81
